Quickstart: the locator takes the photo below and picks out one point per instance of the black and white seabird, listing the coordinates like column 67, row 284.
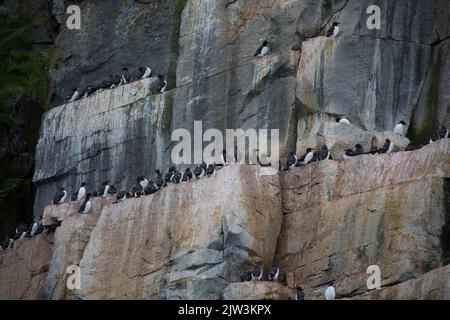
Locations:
column 75, row 95
column 60, row 196
column 86, row 206
column 246, row 276
column 162, row 85
column 330, row 292
column 176, row 177
column 159, row 182
column 291, row 160
column 307, row 157
column 137, row 191
column 210, row 170
column 81, row 193
column 169, row 175
column 300, row 294
column 400, row 128
column 36, row 229
column 263, row 49
column 145, row 72
column 122, row 196
column 187, row 175
column 348, row 153
column 388, row 147
column 112, row 190
column 334, row 30
column 325, row 153
column 274, row 273
column 103, row 191
column 441, row 134
column 21, row 231
column 143, row 181
column 359, row 150
column 257, row 273
column 342, row 120
column 126, row 76
column 151, row 188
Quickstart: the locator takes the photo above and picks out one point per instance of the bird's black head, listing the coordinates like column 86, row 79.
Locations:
column 188, row 170
column 338, row 119
column 299, row 288
column 88, row 195
column 388, row 141
column 61, row 189
column 83, row 184
column 336, row 23
column 141, row 69
column 105, row 183
column 160, row 76
column 358, row 146
column 157, row 171
column 308, row 150
column 265, row 43
column 402, row 122
column 124, row 69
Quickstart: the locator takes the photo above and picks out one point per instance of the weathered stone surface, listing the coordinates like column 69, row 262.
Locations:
column 258, row 290
column 24, row 268
column 319, row 129
column 186, row 241
column 341, row 217
column 70, row 240
column 114, row 139
column 434, row 285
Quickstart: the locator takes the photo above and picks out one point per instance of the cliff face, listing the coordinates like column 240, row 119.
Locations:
column 327, row 221
column 374, row 77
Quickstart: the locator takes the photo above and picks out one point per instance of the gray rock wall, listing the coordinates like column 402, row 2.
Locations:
column 375, row 77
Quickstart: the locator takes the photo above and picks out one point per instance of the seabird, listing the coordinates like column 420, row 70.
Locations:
column 330, row 292
column 146, row 72
column 159, row 182
column 169, row 175
column 399, row 129
column 21, row 231
column 126, row 77
column 263, row 49
column 325, row 153
column 36, row 229
column 246, row 276
column 300, row 294
column 162, row 84
column 104, row 189
column 151, row 188
column 136, row 191
column 210, row 170
column 274, row 273
column 81, row 193
column 358, row 150
column 176, row 177
column 60, row 196
column 307, row 157
column 112, row 190
column 348, row 153
column 334, row 30
column 75, row 95
column 143, row 181
column 342, row 120
column 291, row 160
column 257, row 273
column 122, row 196
column 441, row 134
column 187, row 175
column 86, row 206
column 388, row 147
